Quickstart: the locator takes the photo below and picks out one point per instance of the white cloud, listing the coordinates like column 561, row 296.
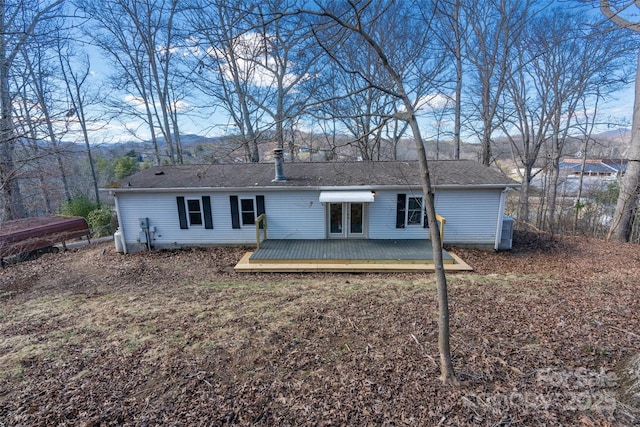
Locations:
column 135, row 101
column 432, row 102
column 253, row 60
column 435, row 101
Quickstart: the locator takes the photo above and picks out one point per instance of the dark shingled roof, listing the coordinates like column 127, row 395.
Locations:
column 329, row 174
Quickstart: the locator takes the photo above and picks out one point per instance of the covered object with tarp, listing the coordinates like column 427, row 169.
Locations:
column 24, row 236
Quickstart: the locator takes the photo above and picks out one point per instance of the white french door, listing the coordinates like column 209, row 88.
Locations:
column 346, row 220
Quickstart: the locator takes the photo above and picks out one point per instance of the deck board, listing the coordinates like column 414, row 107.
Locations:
column 362, row 250
column 386, row 255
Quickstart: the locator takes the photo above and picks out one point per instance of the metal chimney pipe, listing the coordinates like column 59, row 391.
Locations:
column 279, row 163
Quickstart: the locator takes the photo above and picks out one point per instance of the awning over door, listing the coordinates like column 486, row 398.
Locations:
column 346, row 196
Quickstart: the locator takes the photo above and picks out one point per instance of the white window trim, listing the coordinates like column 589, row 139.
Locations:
column 406, row 213
column 241, row 211
column 200, row 211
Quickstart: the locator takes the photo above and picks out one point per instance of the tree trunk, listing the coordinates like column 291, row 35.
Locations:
column 628, row 199
column 486, row 138
column 29, row 130
column 552, row 189
column 523, row 203
column 39, row 85
column 447, row 374
column 458, row 103
column 11, row 205
column 152, row 129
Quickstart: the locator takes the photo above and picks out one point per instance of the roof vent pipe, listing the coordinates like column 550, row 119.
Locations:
column 279, row 163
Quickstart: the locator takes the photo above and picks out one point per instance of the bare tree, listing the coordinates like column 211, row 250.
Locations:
column 627, row 203
column 40, row 77
column 562, row 61
column 439, row 111
column 355, row 99
column 27, row 127
column 395, row 130
column 355, row 22
column 495, row 26
column 288, row 63
column 453, row 21
column 363, row 112
column 139, row 36
column 225, row 69
column 526, row 128
column 586, row 126
column 19, row 22
column 574, row 59
column 75, row 74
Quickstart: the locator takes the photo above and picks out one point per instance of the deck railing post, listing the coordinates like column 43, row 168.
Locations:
column 262, row 219
column 441, row 222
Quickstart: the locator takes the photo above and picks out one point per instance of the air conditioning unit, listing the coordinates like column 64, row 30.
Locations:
column 506, row 240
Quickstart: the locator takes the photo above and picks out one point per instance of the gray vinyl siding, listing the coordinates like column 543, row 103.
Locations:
column 289, row 215
column 471, row 216
column 295, row 215
column 162, row 211
column 382, row 218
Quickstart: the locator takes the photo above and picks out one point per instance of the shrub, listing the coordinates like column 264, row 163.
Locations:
column 101, row 221
column 78, row 206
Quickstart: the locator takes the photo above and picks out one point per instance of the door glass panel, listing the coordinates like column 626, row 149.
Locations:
column 356, row 218
column 335, row 218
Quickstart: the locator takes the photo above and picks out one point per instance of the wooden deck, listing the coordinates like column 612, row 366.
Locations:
column 343, row 255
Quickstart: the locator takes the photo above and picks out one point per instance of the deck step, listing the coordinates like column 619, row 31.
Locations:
column 302, row 266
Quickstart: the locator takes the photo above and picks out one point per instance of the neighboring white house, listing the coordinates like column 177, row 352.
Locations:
column 595, row 176
column 201, row 205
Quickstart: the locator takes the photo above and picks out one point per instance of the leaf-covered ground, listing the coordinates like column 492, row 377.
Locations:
column 542, row 335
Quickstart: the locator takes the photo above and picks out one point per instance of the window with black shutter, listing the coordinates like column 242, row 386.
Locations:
column 410, row 212
column 194, row 212
column 245, row 210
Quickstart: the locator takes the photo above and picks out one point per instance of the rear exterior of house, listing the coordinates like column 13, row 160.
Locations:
column 203, row 205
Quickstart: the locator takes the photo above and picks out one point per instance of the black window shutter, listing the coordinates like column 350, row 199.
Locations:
column 235, row 214
column 206, row 208
column 425, row 220
column 182, row 213
column 400, row 210
column 259, row 205
column 260, row 208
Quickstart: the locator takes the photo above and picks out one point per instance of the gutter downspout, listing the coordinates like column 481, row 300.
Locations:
column 120, row 226
column 503, row 197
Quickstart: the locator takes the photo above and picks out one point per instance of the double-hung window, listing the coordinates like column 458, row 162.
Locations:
column 410, row 212
column 414, row 211
column 194, row 212
column 245, row 210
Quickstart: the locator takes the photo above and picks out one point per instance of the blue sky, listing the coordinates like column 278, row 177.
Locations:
column 617, row 107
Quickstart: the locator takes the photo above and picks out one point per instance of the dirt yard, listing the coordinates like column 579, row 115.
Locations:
column 543, row 335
